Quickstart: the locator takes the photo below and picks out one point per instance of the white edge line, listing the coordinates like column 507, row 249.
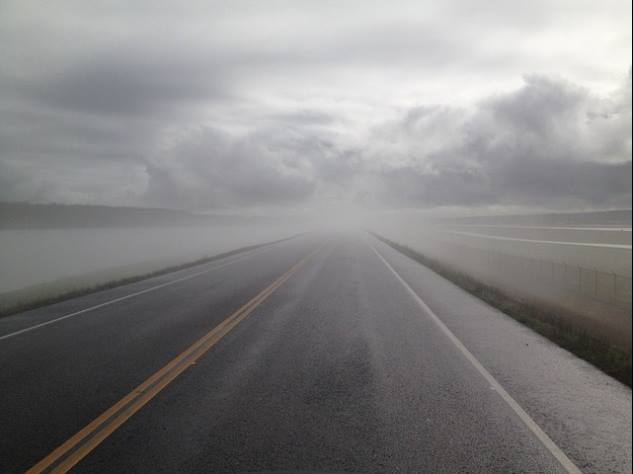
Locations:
column 131, row 295
column 535, row 241
column 560, row 227
column 558, row 453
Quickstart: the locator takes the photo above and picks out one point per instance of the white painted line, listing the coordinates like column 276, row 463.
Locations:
column 528, row 227
column 557, row 242
column 132, row 295
column 560, row 456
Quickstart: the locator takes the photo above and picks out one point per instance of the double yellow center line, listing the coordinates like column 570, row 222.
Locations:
column 68, row 454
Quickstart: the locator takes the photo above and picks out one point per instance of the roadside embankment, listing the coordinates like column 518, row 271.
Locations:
column 603, row 345
column 36, row 296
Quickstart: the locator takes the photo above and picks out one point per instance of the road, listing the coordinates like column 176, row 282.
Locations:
column 540, row 241
column 319, row 353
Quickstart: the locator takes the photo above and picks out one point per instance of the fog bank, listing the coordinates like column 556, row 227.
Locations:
column 31, row 257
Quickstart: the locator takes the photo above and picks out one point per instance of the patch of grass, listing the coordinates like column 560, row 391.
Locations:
column 37, row 302
column 544, row 320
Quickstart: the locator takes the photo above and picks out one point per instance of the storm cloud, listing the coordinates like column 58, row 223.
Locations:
column 295, row 105
column 548, row 143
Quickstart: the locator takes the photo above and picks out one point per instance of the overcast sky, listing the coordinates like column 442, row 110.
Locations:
column 296, row 105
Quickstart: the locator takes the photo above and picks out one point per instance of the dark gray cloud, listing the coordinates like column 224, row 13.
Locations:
column 212, row 169
column 131, row 83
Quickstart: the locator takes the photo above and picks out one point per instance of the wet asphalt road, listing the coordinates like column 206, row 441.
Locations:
column 340, row 369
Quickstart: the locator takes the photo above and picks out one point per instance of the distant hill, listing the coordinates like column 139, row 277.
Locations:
column 48, row 216
column 593, row 218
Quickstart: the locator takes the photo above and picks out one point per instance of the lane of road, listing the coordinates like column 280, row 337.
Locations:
column 539, row 241
column 57, row 379
column 338, row 368
column 586, row 412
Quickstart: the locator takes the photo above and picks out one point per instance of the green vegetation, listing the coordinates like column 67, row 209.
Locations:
column 544, row 320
